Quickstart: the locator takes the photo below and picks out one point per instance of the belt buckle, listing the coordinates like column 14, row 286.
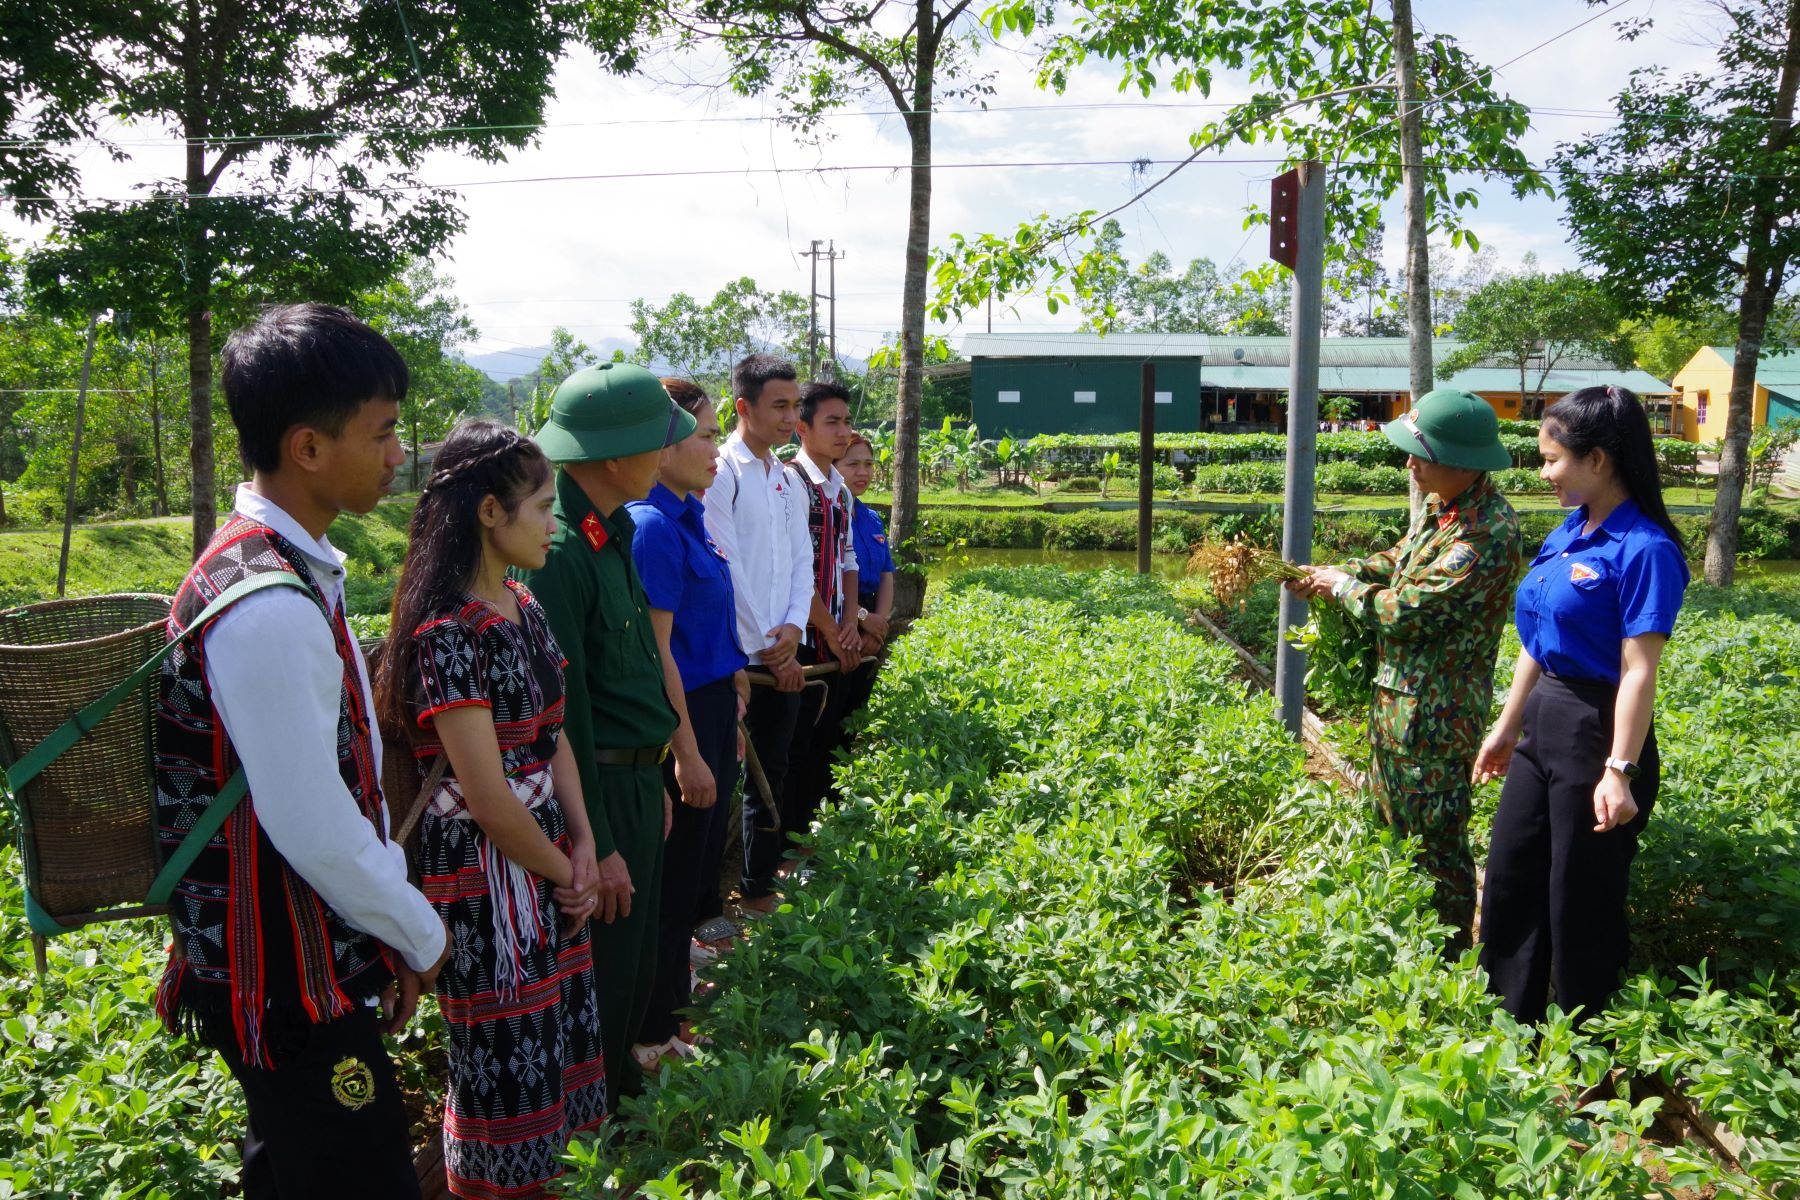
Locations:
column 662, row 755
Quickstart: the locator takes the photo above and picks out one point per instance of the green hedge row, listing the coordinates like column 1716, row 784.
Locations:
column 1078, row 928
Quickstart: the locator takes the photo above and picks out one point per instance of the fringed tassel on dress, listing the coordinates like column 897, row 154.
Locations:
column 518, row 923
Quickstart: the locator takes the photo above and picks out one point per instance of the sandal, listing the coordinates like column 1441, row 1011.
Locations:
column 714, row 930
column 650, row 1057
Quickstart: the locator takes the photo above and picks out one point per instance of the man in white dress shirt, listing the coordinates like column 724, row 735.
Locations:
column 298, row 939
column 757, row 517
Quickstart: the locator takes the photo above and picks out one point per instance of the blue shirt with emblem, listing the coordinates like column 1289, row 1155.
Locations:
column 872, row 554
column 684, row 573
column 1587, row 592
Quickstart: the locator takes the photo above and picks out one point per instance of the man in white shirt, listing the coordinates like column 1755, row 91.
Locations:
column 298, row 939
column 824, row 427
column 757, row 517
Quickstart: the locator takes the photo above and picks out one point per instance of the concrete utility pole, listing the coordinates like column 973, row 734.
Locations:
column 1146, row 453
column 830, row 254
column 1305, row 251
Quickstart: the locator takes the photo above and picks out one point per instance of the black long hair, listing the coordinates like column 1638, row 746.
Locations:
column 479, row 459
column 1613, row 419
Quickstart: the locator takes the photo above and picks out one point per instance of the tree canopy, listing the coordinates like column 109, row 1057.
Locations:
column 1531, row 322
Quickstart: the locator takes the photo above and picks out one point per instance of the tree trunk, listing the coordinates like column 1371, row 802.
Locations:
column 903, row 530
column 160, row 506
column 68, row 524
column 1412, row 183
column 1764, row 271
column 197, row 269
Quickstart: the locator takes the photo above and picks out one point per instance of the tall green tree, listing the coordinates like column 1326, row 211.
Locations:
column 815, row 57
column 1153, row 297
column 1691, row 196
column 303, row 126
column 703, row 341
column 1297, row 57
column 1531, row 322
column 419, row 313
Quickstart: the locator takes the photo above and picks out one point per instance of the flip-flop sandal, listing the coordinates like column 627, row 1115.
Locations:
column 701, row 955
column 715, row 930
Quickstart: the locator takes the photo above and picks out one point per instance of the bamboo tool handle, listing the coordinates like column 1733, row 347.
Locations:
column 753, row 767
column 758, row 679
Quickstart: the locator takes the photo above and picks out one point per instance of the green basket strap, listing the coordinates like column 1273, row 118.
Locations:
column 33, row 761
column 198, row 834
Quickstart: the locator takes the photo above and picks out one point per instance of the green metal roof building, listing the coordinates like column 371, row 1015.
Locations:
column 1030, row 383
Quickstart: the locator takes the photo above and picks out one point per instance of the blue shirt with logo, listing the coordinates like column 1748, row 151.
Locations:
column 1587, row 592
column 684, row 573
column 872, row 554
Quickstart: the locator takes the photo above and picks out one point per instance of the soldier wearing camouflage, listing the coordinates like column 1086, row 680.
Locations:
column 1438, row 602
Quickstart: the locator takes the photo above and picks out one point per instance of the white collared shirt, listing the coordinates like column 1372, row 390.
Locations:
column 275, row 675
column 833, row 483
column 757, row 517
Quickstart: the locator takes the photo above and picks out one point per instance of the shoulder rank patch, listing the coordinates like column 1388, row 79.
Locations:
column 1458, row 560
column 593, row 531
column 1579, row 572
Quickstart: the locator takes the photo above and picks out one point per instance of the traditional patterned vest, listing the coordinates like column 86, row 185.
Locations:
column 828, row 520
column 252, row 939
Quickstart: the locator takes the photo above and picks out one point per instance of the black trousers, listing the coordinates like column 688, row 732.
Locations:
column 815, row 740
column 327, row 1120
column 770, row 719
column 1553, row 907
column 692, row 856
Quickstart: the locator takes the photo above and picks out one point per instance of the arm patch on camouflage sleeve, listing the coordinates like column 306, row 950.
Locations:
column 1458, row 560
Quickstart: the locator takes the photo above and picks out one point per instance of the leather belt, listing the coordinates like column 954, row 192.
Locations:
column 644, row 756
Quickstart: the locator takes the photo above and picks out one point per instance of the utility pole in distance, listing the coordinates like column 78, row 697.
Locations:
column 1297, row 240
column 830, row 254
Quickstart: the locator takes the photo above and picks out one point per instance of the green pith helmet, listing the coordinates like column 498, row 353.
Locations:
column 1452, row 428
column 613, row 410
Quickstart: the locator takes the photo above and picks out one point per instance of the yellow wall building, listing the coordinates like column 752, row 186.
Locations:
column 1703, row 389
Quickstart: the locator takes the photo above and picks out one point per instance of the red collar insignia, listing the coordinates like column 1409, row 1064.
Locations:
column 593, row 531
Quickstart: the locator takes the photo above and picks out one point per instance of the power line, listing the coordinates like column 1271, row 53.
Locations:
column 856, row 168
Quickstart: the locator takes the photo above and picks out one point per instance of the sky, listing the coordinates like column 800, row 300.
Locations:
column 540, row 251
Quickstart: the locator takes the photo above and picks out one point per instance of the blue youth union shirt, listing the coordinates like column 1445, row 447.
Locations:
column 1585, row 593
column 684, row 573
column 872, row 553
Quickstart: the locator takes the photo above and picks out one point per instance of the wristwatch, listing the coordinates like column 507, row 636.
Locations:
column 862, row 614
column 1623, row 766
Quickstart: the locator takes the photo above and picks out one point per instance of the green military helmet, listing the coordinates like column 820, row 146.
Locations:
column 1452, row 428
column 613, row 410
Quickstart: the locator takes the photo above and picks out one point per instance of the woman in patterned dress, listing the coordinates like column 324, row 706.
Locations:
column 506, row 855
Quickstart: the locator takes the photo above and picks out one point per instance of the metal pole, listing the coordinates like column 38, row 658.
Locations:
column 812, row 330
column 1302, row 432
column 1146, row 452
column 68, row 532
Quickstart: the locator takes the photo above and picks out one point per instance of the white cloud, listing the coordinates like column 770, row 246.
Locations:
column 575, row 251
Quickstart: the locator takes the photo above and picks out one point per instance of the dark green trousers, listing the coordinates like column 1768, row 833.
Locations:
column 625, row 951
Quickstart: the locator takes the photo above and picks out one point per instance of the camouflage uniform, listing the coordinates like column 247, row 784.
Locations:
column 1438, row 602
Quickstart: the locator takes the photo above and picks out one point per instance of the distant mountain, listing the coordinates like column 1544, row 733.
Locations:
column 509, row 364
column 504, row 366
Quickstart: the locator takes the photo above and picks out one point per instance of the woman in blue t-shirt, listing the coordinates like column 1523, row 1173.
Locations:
column 875, row 572
column 694, row 614
column 1593, row 613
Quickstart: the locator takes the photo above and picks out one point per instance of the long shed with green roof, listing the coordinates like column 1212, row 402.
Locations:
column 1030, row 383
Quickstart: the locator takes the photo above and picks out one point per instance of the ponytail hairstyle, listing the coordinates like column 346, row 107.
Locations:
column 479, row 459
column 1612, row 419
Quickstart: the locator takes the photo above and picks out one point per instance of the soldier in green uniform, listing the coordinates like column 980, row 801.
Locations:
column 1437, row 602
column 607, row 427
